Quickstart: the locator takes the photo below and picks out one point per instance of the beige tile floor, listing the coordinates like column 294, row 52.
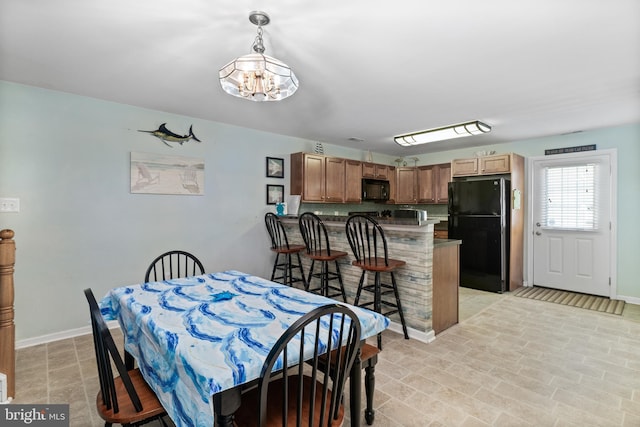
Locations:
column 510, row 362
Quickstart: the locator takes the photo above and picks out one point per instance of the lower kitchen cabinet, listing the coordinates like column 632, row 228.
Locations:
column 446, row 280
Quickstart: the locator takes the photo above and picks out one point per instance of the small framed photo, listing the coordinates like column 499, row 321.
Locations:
column 275, row 167
column 275, row 194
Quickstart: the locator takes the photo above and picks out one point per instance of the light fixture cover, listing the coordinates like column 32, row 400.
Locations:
column 443, row 133
column 256, row 76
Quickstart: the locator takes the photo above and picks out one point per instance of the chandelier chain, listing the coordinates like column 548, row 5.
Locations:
column 258, row 44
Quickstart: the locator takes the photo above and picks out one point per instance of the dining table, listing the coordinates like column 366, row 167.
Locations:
column 200, row 341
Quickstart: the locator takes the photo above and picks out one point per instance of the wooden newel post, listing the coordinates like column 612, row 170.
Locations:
column 7, row 327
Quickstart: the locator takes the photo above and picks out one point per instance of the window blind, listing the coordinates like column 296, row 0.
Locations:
column 571, row 199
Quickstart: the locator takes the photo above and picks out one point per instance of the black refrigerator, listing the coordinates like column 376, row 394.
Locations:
column 479, row 213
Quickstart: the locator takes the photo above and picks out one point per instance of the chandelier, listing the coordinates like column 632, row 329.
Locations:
column 256, row 76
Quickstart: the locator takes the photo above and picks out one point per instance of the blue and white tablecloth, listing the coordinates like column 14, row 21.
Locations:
column 198, row 336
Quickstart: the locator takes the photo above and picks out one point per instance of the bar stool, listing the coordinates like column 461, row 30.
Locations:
column 280, row 245
column 369, row 247
column 316, row 240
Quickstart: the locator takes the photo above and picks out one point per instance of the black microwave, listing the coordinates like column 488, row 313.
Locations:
column 375, row 190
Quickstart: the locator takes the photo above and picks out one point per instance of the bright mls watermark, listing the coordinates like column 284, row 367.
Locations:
column 46, row 415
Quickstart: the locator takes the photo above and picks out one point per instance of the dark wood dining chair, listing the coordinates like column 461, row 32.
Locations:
column 369, row 246
column 281, row 246
column 126, row 399
column 305, row 394
column 172, row 265
column 316, row 239
column 368, row 360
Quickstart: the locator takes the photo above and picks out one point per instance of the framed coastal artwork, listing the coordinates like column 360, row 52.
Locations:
column 275, row 194
column 153, row 173
column 275, row 167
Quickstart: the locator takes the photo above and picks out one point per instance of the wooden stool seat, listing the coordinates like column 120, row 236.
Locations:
column 290, row 250
column 325, row 255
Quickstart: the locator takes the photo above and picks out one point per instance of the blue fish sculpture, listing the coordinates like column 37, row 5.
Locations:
column 165, row 135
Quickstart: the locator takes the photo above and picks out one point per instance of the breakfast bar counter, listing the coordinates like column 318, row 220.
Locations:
column 411, row 241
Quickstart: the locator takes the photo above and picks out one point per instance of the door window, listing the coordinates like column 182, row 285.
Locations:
column 570, row 200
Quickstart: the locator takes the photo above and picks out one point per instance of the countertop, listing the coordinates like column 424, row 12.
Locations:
column 380, row 220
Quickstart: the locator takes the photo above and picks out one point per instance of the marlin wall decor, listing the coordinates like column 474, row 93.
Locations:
column 165, row 135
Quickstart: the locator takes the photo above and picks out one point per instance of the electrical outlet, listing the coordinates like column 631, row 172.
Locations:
column 9, row 204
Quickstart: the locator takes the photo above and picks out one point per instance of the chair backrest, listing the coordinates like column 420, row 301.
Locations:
column 367, row 239
column 172, row 265
column 276, row 231
column 314, row 233
column 107, row 352
column 331, row 327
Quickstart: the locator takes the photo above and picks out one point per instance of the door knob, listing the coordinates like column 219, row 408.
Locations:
column 538, row 233
column 537, row 224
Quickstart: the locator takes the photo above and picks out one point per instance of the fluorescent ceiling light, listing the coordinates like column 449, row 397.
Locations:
column 440, row 134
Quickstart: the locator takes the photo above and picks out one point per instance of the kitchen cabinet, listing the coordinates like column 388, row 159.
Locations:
column 464, row 167
column 443, row 177
column 334, row 179
column 406, row 185
column 425, row 184
column 353, row 181
column 487, row 165
column 373, row 170
column 432, row 183
column 446, row 282
column 318, row 178
column 440, row 234
column 392, row 185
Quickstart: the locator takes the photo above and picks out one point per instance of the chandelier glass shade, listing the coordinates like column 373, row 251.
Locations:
column 443, row 133
column 256, row 76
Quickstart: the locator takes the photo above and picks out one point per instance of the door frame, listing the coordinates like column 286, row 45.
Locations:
column 612, row 154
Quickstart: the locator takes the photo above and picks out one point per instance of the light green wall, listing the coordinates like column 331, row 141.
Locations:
column 67, row 158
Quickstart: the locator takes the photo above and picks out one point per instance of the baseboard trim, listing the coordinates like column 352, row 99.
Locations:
column 71, row 333
column 630, row 300
column 425, row 337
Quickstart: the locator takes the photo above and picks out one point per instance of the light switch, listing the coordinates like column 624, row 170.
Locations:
column 9, row 204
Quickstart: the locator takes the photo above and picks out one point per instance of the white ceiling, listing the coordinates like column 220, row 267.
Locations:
column 367, row 69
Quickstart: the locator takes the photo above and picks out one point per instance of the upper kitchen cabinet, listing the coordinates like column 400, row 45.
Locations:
column 406, row 185
column 432, row 183
column 425, row 181
column 488, row 165
column 334, row 179
column 393, row 188
column 317, row 178
column 353, row 181
column 373, row 170
column 443, row 174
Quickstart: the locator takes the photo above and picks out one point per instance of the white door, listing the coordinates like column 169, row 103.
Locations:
column 571, row 212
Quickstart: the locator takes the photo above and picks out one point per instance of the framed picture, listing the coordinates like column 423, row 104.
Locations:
column 275, row 167
column 153, row 173
column 275, row 194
